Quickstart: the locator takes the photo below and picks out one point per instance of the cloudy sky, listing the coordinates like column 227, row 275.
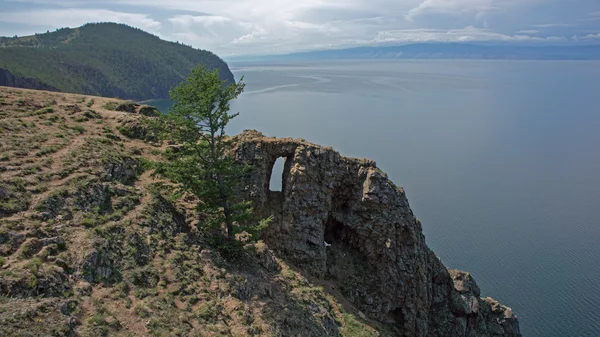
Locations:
column 246, row 27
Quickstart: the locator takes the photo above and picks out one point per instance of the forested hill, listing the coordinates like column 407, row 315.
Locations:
column 106, row 59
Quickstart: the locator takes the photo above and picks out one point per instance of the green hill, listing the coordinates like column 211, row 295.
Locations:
column 105, row 59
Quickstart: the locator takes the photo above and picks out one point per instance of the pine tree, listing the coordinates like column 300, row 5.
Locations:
column 200, row 161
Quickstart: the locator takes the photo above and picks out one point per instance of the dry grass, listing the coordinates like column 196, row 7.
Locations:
column 72, row 185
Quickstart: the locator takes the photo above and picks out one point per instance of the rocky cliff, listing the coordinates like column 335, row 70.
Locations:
column 92, row 243
column 344, row 221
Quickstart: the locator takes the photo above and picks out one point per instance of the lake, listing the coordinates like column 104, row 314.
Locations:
column 499, row 159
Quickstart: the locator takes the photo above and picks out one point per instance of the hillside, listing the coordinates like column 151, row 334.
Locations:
column 92, row 244
column 105, row 59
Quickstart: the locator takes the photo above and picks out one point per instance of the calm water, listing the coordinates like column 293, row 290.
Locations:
column 500, row 160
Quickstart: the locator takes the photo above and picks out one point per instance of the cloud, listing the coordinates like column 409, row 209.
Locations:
column 477, row 9
column 592, row 36
column 234, row 27
column 468, row 34
column 549, row 25
column 452, row 6
column 528, row 31
column 212, row 30
column 58, row 18
column 206, row 20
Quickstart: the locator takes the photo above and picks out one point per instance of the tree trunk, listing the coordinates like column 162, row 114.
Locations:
column 226, row 208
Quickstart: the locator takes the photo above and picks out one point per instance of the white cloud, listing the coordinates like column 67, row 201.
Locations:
column 207, row 30
column 452, row 6
column 474, row 8
column 551, row 25
column 468, row 34
column 231, row 27
column 58, row 18
column 528, row 31
column 592, row 36
column 207, row 20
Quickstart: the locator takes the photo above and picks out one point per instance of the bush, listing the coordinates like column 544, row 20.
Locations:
column 79, row 128
column 111, row 105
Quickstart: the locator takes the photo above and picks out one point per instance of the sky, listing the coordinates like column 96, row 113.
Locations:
column 255, row 27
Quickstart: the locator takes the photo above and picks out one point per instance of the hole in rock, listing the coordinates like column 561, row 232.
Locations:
column 333, row 230
column 398, row 316
column 277, row 175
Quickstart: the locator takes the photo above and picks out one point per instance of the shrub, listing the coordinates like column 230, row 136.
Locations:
column 111, row 105
column 79, row 128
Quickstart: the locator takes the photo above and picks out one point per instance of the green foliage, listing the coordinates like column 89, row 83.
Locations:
column 110, row 105
column 16, row 197
column 200, row 162
column 353, row 328
column 105, row 59
column 79, row 128
column 91, row 114
column 141, row 310
column 46, row 150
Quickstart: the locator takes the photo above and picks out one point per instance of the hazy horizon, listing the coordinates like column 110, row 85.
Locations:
column 252, row 27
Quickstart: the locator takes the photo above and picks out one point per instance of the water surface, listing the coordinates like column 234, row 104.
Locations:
column 500, row 160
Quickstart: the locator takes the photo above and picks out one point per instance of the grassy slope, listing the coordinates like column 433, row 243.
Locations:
column 105, row 59
column 91, row 244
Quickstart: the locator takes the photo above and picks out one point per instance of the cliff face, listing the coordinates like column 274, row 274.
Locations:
column 345, row 222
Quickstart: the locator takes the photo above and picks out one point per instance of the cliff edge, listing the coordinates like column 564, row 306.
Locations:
column 92, row 243
column 344, row 221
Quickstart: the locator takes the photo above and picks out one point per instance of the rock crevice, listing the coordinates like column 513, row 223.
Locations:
column 343, row 220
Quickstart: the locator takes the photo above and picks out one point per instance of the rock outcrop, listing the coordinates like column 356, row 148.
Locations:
column 343, row 220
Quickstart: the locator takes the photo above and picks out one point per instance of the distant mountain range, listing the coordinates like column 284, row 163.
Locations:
column 443, row 51
column 105, row 59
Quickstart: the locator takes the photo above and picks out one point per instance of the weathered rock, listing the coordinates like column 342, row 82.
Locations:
column 98, row 265
column 68, row 306
column 133, row 107
column 73, row 108
column 48, row 282
column 342, row 219
column 124, row 171
column 135, row 129
column 149, row 111
column 266, row 257
column 128, row 106
column 83, row 288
